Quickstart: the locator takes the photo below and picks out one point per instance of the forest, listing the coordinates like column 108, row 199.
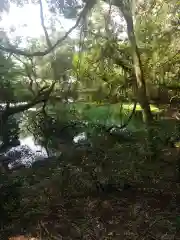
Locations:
column 98, row 90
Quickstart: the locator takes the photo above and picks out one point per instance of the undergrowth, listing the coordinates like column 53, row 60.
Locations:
column 58, row 199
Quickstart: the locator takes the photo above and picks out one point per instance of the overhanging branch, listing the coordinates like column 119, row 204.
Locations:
column 125, row 65
column 41, row 97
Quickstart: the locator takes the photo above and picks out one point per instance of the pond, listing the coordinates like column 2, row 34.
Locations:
column 26, row 153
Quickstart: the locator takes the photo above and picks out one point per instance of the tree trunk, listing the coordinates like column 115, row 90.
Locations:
column 126, row 7
column 138, row 69
column 141, row 84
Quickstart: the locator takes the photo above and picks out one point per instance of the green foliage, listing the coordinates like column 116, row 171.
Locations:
column 7, row 75
column 101, row 75
column 53, row 126
column 155, row 33
column 10, row 132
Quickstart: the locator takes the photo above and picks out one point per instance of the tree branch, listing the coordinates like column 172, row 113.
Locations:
column 26, row 68
column 44, row 96
column 17, row 51
column 124, row 64
column 48, row 41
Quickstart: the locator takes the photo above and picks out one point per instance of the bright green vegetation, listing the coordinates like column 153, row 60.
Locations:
column 102, row 186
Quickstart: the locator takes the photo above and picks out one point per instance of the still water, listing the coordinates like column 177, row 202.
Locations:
column 30, row 142
column 27, row 153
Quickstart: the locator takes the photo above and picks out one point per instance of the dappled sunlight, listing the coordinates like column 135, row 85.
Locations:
column 89, row 120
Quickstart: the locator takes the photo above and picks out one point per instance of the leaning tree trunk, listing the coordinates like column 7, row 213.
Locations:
column 138, row 69
column 141, row 84
column 126, row 7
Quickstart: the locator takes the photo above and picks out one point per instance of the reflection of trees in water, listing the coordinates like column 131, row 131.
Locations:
column 63, row 139
column 21, row 156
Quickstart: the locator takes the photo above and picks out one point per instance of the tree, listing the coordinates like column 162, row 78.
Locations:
column 155, row 32
column 10, row 134
column 134, row 65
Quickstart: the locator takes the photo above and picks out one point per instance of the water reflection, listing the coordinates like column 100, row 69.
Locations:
column 30, row 142
column 80, row 137
column 27, row 153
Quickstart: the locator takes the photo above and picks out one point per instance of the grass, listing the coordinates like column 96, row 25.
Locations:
column 114, row 107
column 109, row 114
column 105, row 114
column 114, row 114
